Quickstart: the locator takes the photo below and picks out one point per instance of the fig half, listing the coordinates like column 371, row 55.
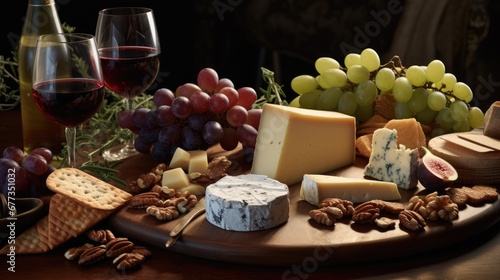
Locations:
column 435, row 173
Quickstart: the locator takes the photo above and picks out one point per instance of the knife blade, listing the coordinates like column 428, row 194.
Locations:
column 198, row 209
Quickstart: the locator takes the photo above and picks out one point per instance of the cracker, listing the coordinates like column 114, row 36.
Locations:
column 30, row 241
column 475, row 197
column 491, row 194
column 86, row 189
column 458, row 196
column 390, row 206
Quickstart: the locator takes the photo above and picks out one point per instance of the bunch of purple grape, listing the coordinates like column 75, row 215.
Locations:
column 195, row 117
column 24, row 175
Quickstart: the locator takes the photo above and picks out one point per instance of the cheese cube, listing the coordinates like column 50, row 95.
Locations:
column 175, row 178
column 316, row 187
column 294, row 141
column 180, row 159
column 198, row 161
column 391, row 163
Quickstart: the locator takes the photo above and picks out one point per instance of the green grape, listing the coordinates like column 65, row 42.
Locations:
column 426, row 116
column 418, row 100
column 385, row 79
column 366, row 92
column 310, row 99
column 402, row 90
column 304, row 83
column 352, row 59
column 401, row 111
column 435, row 71
column 357, row 74
column 363, row 113
column 445, row 120
column 475, row 117
column 416, row 75
column 369, row 59
column 347, row 103
column 324, row 63
column 295, row 102
column 462, row 91
column 334, row 77
column 438, row 131
column 447, row 82
column 459, row 110
column 329, row 99
column 321, row 82
column 461, row 126
column 436, row 100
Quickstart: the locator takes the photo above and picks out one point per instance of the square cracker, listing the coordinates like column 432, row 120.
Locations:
column 86, row 189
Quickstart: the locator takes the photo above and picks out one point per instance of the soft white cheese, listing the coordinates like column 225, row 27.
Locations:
column 247, row 203
column 391, row 163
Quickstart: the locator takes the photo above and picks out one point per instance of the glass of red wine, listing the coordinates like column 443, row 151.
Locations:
column 129, row 48
column 68, row 85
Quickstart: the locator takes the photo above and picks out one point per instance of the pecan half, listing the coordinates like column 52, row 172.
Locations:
column 128, row 261
column 118, row 246
column 411, row 220
column 366, row 212
column 345, row 205
column 145, row 199
column 100, row 236
column 93, row 255
column 75, row 253
column 163, row 213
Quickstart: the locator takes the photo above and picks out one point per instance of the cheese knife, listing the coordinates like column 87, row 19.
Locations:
column 198, row 209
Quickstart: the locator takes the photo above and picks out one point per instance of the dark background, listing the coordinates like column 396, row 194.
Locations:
column 237, row 37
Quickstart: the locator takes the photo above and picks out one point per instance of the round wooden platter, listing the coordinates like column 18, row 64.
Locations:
column 300, row 239
column 472, row 167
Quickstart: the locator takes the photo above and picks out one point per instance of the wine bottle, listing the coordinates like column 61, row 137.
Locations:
column 38, row 130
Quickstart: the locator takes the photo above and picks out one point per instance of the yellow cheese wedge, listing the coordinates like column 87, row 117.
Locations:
column 198, row 161
column 294, row 141
column 175, row 178
column 316, row 187
column 180, row 159
column 193, row 189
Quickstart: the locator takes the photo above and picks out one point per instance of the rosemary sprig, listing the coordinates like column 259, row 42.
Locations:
column 273, row 93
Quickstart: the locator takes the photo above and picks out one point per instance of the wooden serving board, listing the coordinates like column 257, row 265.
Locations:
column 300, row 239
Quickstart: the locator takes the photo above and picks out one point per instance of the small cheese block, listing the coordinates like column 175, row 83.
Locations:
column 247, row 203
column 410, row 132
column 193, row 189
column 175, row 178
column 180, row 159
column 316, row 187
column 391, row 163
column 492, row 121
column 294, row 141
column 198, row 161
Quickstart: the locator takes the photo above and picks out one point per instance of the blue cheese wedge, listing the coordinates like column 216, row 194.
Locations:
column 390, row 162
column 248, row 202
column 316, row 187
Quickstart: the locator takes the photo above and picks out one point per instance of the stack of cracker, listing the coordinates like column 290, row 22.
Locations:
column 80, row 202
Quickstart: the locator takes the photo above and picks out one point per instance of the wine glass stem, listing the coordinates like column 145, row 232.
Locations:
column 129, row 145
column 71, row 142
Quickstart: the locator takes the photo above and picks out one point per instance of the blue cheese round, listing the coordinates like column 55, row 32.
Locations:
column 248, row 202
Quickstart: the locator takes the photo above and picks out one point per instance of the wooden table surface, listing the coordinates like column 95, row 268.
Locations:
column 475, row 258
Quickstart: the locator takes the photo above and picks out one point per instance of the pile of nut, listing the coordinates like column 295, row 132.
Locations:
column 125, row 254
column 412, row 217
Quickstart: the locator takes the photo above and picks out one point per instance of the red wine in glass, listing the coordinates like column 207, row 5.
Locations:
column 129, row 70
column 69, row 102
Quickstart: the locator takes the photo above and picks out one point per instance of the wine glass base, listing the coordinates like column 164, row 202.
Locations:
column 118, row 153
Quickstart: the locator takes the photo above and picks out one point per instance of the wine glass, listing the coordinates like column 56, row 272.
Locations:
column 68, row 85
column 129, row 49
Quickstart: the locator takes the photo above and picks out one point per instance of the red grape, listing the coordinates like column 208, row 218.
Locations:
column 219, row 103
column 197, row 121
column 44, row 152
column 237, row 115
column 35, row 164
column 248, row 96
column 199, row 101
column 181, row 107
column 125, row 121
column 254, row 117
column 212, row 132
column 224, row 82
column 139, row 117
column 187, row 90
column 207, row 79
column 14, row 153
column 164, row 115
column 247, row 135
column 170, row 135
column 163, row 96
column 229, row 140
column 232, row 95
column 190, row 139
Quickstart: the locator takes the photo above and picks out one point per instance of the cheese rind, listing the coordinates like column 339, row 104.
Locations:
column 316, row 187
column 294, row 141
column 247, row 203
column 391, row 163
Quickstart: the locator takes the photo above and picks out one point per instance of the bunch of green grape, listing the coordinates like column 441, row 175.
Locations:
column 427, row 93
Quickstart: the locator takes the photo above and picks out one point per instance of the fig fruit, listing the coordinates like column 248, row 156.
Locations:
column 435, row 173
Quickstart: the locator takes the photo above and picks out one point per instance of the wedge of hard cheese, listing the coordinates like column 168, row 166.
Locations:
column 294, row 141
column 316, row 187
